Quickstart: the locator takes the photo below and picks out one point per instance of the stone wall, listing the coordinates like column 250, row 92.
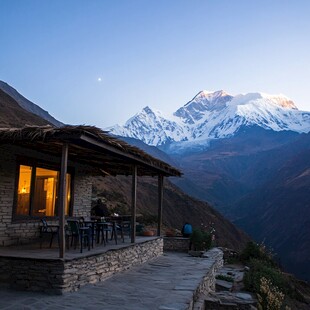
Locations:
column 58, row 276
column 82, row 193
column 178, row 244
column 7, row 183
column 207, row 285
column 25, row 231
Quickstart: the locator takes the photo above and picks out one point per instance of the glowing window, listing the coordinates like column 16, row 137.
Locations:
column 38, row 191
column 24, row 187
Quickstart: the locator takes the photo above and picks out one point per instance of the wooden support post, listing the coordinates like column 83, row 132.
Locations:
column 160, row 203
column 133, row 204
column 62, row 199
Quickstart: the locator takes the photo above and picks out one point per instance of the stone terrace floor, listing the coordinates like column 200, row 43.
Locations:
column 165, row 283
column 33, row 250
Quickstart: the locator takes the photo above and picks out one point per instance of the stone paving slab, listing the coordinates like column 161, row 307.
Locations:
column 231, row 294
column 166, row 283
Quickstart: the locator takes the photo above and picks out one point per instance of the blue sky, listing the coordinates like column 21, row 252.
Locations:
column 158, row 53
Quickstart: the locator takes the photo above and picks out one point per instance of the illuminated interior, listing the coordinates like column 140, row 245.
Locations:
column 43, row 201
column 24, row 183
column 45, row 192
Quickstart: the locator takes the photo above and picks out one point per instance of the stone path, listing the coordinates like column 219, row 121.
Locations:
column 230, row 294
column 166, row 283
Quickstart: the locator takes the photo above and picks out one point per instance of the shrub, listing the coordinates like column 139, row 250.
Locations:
column 225, row 278
column 260, row 269
column 201, row 240
column 266, row 279
column 269, row 296
column 257, row 251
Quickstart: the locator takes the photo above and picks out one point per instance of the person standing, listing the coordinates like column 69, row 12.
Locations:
column 187, row 230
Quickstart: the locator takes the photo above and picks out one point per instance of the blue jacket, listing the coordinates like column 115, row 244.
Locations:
column 187, row 229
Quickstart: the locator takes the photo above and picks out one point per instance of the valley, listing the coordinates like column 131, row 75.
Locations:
column 246, row 156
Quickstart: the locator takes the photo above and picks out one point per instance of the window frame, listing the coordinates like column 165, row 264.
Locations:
column 38, row 163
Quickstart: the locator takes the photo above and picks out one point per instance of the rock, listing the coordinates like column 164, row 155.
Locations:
column 196, row 253
column 244, row 296
column 222, row 285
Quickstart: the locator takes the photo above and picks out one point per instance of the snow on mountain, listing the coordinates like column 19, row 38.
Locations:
column 214, row 115
column 151, row 127
column 204, row 101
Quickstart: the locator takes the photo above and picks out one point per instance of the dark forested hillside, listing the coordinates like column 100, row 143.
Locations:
column 12, row 115
column 278, row 212
column 261, row 181
column 27, row 105
column 178, row 207
column 232, row 167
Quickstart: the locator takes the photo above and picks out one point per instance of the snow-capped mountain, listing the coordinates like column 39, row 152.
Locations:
column 214, row 115
column 263, row 153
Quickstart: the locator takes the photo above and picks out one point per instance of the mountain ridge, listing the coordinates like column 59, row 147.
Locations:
column 13, row 115
column 213, row 115
column 27, row 105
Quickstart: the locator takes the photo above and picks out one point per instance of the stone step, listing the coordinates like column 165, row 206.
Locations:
column 230, row 300
column 221, row 285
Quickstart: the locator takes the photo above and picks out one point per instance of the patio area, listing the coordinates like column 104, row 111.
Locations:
column 48, row 173
column 170, row 281
column 27, row 267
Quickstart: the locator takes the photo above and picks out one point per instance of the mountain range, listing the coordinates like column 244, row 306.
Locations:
column 248, row 156
column 213, row 115
column 116, row 191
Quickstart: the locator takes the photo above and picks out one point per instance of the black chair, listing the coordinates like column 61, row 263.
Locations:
column 103, row 229
column 79, row 234
column 92, row 226
column 121, row 227
column 100, row 230
column 126, row 228
column 50, row 230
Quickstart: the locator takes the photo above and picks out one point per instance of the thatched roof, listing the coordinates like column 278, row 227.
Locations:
column 88, row 144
